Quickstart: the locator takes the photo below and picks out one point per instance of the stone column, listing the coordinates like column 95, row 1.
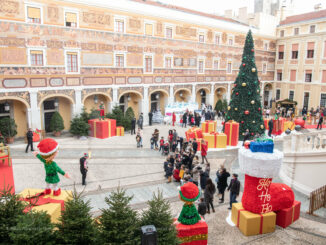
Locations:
column 145, row 106
column 171, row 95
column 211, row 96
column 34, row 113
column 78, row 107
column 115, row 99
column 193, row 94
column 228, row 97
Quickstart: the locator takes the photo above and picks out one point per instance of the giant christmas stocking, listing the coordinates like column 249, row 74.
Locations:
column 259, row 194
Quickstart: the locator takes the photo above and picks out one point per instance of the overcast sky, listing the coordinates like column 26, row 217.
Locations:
column 218, row 6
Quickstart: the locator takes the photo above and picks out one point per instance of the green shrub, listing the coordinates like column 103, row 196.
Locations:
column 219, row 106
column 8, row 127
column 33, row 228
column 95, row 114
column 76, row 223
column 84, row 115
column 56, row 123
column 78, row 126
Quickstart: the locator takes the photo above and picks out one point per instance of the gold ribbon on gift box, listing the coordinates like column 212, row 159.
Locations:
column 198, row 237
column 94, row 128
column 109, row 125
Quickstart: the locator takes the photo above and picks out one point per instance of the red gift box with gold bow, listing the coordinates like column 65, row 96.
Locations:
column 196, row 234
column 231, row 130
column 287, row 216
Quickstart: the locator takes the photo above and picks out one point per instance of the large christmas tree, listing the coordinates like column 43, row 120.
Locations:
column 245, row 104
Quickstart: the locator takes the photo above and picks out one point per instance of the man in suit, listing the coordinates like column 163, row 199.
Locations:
column 29, row 136
column 133, row 126
column 150, row 117
column 270, row 127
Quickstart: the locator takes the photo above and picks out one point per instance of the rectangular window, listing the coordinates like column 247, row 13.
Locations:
column 217, row 39
column 168, row 62
column 264, row 68
column 295, row 52
column 229, row 68
column 71, row 19
column 281, row 52
column 201, row 38
column 215, row 64
column 278, row 94
column 119, row 60
column 148, row 64
column 179, row 62
column 310, row 50
column 168, row 32
column 306, row 100
column 296, row 31
column 312, row 29
column 200, row 66
column 36, row 58
column 149, row 29
column 291, row 95
column 282, row 33
column 34, row 15
column 323, row 76
column 279, row 75
column 265, row 46
column 72, row 62
column 322, row 100
column 119, row 25
column 230, row 41
column 308, row 76
column 293, row 75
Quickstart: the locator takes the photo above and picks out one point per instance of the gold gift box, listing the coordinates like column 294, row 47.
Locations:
column 215, row 140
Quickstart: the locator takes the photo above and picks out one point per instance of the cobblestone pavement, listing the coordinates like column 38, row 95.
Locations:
column 117, row 161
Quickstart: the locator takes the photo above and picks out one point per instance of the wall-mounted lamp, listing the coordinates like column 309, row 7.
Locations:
column 181, row 94
column 7, row 106
column 128, row 97
column 202, row 92
column 218, row 91
column 157, row 96
column 56, row 102
column 95, row 99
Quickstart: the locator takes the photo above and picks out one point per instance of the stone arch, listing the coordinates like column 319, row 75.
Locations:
column 90, row 103
column 129, row 92
column 178, row 98
column 221, row 95
column 202, row 98
column 160, row 103
column 135, row 101
column 15, row 98
column 97, row 93
column 55, row 95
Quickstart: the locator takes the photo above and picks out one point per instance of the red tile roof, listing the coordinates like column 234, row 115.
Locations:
column 190, row 11
column 304, row 17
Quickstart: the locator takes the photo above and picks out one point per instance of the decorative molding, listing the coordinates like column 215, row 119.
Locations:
column 177, row 87
column 42, row 94
column 22, row 95
column 153, row 88
column 107, row 91
column 124, row 89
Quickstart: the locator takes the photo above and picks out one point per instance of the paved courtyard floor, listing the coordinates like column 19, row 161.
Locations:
column 118, row 162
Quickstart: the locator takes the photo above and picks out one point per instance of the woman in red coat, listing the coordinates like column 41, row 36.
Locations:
column 174, row 118
column 204, row 148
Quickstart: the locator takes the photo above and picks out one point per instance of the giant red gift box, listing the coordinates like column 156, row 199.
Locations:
column 102, row 129
column 6, row 175
column 231, row 130
column 193, row 234
column 287, row 216
column 194, row 133
column 278, row 126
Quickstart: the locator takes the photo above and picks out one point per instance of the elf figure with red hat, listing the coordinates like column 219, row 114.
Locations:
column 48, row 150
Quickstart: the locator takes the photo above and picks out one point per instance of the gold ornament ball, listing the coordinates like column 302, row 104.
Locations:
column 244, row 84
column 253, row 121
column 258, row 91
column 253, row 69
column 242, row 133
column 262, row 126
column 252, row 102
column 235, row 109
column 229, row 107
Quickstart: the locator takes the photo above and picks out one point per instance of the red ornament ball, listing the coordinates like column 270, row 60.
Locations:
column 252, row 50
column 246, row 112
column 243, row 64
column 222, row 123
column 259, row 109
column 235, row 85
column 299, row 121
column 252, row 133
column 242, row 121
column 237, row 93
column 247, row 144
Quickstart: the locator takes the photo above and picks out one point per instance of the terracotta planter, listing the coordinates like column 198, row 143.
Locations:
column 10, row 140
column 57, row 134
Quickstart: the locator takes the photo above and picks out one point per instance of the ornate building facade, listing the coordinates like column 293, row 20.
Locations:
column 66, row 55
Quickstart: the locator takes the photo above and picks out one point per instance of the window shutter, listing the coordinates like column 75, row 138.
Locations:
column 311, row 45
column 293, row 75
column 34, row 13
column 295, row 47
column 71, row 17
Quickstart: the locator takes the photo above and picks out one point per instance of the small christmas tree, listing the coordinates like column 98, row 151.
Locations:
column 119, row 222
column 78, row 126
column 160, row 216
column 76, row 223
column 245, row 104
column 56, row 123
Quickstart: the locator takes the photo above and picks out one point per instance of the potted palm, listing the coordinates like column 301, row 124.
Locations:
column 8, row 129
column 56, row 124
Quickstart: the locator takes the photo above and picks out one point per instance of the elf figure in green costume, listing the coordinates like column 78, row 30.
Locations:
column 48, row 151
column 101, row 109
column 189, row 193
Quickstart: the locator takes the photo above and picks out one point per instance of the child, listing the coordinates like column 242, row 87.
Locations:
column 182, row 171
column 166, row 163
column 161, row 144
column 202, row 207
column 152, row 142
column 234, row 189
column 169, row 173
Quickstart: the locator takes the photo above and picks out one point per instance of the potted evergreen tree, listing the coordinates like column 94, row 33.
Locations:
column 79, row 127
column 56, row 124
column 8, row 129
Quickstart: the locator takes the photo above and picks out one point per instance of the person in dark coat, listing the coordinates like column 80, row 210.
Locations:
column 222, row 176
column 83, row 167
column 184, row 120
column 234, row 189
column 150, row 117
column 180, row 141
column 270, row 127
column 207, row 116
column 203, row 179
column 195, row 146
column 246, row 136
column 169, row 172
column 133, row 126
column 320, row 123
column 197, row 119
column 209, row 194
column 29, row 136
column 141, row 121
column 202, row 207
